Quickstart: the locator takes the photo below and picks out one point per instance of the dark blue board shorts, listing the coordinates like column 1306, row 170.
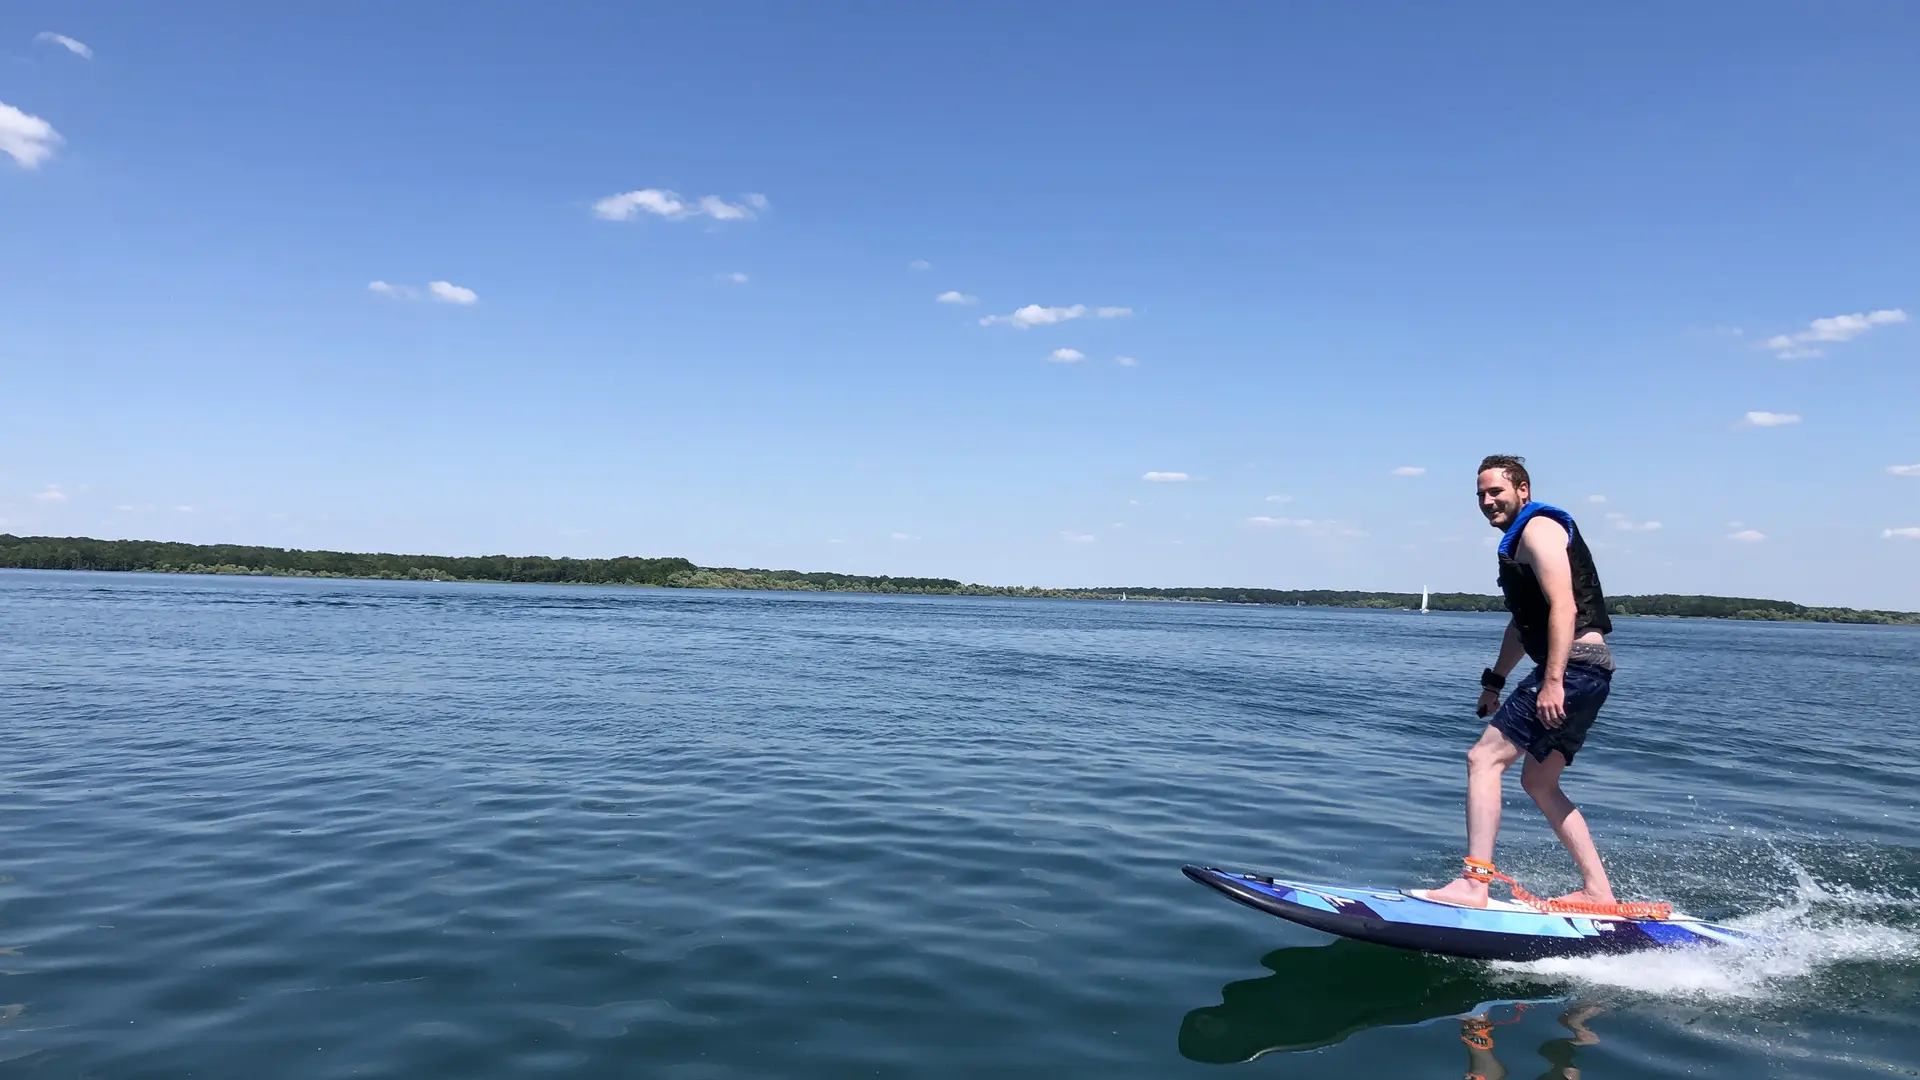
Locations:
column 1586, row 687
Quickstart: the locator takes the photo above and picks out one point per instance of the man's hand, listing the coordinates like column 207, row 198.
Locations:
column 1550, row 704
column 1489, row 701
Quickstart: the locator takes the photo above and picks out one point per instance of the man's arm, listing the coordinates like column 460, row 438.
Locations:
column 1511, row 650
column 1544, row 547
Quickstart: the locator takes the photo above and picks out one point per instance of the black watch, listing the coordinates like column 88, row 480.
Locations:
column 1492, row 680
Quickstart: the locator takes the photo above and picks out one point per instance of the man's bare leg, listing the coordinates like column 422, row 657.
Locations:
column 1541, row 779
column 1486, row 767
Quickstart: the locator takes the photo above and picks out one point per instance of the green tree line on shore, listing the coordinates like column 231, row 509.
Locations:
column 85, row 553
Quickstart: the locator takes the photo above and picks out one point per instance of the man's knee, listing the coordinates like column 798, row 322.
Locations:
column 1539, row 784
column 1541, row 779
column 1490, row 755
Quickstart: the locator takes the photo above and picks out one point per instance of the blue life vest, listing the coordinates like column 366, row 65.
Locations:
column 1521, row 585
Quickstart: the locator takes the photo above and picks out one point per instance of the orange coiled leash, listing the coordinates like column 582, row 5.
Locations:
column 1482, row 870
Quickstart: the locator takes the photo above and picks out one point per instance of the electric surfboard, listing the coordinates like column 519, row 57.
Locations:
column 1503, row 930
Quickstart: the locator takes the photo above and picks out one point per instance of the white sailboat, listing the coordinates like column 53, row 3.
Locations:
column 1423, row 599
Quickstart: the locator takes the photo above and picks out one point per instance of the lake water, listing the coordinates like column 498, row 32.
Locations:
column 282, row 828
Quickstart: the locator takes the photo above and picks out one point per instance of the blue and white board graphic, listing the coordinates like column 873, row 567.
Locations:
column 1501, row 931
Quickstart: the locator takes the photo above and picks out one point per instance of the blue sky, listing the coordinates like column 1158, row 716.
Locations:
column 689, row 260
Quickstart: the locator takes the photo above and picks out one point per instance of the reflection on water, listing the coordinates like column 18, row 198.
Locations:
column 1319, row 996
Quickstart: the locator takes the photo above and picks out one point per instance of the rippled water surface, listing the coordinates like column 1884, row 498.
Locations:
column 258, row 827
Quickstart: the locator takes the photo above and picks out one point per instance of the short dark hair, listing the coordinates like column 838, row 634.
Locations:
column 1513, row 465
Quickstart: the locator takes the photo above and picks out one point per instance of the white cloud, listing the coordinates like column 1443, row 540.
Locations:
column 668, row 204
column 447, row 292
column 1904, row 470
column 1836, row 328
column 1036, row 315
column 1908, row 533
column 902, row 536
column 125, row 508
column 53, row 494
column 1126, row 361
column 1077, row 538
column 1747, row 536
column 184, row 509
column 1067, row 356
column 736, row 278
column 1166, row 478
column 954, row 296
column 444, row 291
column 1596, row 498
column 918, row 265
column 1410, row 470
column 72, row 46
column 1280, row 500
column 1627, row 524
column 1771, row 419
column 1310, row 526
column 27, row 139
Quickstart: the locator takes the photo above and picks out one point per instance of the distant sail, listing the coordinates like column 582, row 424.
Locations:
column 1423, row 598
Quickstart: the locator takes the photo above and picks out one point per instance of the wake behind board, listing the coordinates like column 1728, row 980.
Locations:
column 1501, row 931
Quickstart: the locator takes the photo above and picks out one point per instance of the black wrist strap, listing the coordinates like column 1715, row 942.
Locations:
column 1492, row 679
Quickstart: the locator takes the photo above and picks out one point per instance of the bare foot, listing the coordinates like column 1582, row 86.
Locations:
column 1462, row 892
column 1585, row 896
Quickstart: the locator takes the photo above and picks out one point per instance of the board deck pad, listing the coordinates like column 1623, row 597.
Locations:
column 1501, row 931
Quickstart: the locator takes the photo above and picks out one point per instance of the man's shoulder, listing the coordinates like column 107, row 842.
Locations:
column 1547, row 532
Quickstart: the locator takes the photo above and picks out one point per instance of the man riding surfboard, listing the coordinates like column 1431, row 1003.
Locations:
column 1559, row 622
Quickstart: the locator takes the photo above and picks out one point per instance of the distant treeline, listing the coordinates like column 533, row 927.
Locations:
column 83, row 553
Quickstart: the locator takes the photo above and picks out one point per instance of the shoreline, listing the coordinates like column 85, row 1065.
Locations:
column 139, row 556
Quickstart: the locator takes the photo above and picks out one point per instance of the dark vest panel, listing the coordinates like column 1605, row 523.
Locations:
column 1521, row 585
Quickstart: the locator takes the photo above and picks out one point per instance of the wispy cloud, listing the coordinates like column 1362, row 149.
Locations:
column 445, row 292
column 1904, row 470
column 1627, row 524
column 1166, row 478
column 184, row 509
column 954, row 296
column 1126, row 361
column 25, row 138
column 52, row 494
column 1771, row 419
column 1832, row 330
column 1596, row 498
column 1747, row 536
column 449, row 293
column 65, row 42
column 904, row 536
column 668, row 204
column 1077, row 538
column 1035, row 315
column 1280, row 500
column 1911, row 532
column 1067, row 356
column 1410, row 470
column 919, row 265
column 1310, row 526
column 736, row 278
